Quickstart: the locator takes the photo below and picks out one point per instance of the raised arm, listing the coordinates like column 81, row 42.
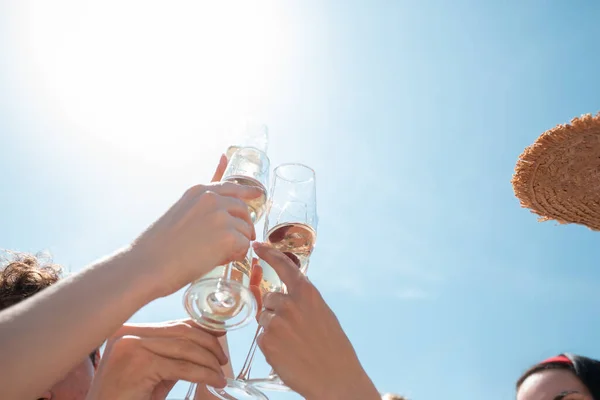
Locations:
column 43, row 337
column 304, row 342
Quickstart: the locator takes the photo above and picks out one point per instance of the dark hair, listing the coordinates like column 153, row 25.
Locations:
column 542, row 367
column 23, row 276
column 586, row 369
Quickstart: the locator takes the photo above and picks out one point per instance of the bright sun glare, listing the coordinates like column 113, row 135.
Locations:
column 143, row 76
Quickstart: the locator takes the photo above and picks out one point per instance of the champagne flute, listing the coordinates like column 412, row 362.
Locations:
column 290, row 226
column 252, row 135
column 228, row 304
column 221, row 300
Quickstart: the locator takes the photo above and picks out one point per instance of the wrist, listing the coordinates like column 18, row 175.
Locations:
column 144, row 276
column 131, row 280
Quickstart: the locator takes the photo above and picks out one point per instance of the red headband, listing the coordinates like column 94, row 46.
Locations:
column 558, row 359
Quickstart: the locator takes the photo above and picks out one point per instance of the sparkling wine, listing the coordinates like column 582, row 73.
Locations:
column 256, row 206
column 296, row 241
column 240, row 271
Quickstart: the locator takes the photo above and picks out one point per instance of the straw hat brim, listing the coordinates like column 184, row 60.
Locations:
column 558, row 176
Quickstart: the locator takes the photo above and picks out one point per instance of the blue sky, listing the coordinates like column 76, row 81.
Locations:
column 413, row 114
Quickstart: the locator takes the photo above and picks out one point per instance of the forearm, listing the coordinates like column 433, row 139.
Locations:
column 362, row 388
column 43, row 337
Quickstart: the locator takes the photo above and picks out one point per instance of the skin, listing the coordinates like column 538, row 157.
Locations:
column 145, row 354
column 75, row 385
column 548, row 384
column 209, row 226
column 147, row 371
column 144, row 361
column 303, row 340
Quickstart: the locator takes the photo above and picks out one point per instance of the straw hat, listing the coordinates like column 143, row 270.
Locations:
column 558, row 176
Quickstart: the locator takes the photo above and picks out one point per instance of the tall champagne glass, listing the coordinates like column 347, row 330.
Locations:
column 290, row 226
column 231, row 305
column 221, row 300
column 249, row 134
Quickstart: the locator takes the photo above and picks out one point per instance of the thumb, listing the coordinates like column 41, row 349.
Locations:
column 285, row 268
column 162, row 390
column 220, row 169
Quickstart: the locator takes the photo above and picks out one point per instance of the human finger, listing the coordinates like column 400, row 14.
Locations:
column 266, row 318
column 193, row 323
column 244, row 228
column 236, row 208
column 285, row 268
column 238, row 247
column 256, row 273
column 256, row 277
column 220, row 169
column 273, row 301
column 175, row 370
column 231, row 189
column 183, row 350
column 182, row 329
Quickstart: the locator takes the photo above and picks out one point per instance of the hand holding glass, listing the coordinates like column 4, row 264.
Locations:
column 222, row 300
column 290, row 226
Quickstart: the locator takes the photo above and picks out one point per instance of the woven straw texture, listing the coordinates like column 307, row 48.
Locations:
column 558, row 176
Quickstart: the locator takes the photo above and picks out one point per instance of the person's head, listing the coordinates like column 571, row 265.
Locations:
column 23, row 276
column 391, row 396
column 564, row 377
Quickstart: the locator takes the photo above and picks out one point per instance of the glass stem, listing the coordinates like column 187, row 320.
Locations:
column 190, row 392
column 229, row 267
column 245, row 371
column 227, row 272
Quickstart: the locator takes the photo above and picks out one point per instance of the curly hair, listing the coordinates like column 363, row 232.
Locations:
column 24, row 275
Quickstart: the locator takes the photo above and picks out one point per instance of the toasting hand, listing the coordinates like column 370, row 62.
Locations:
column 209, row 226
column 144, row 361
column 303, row 340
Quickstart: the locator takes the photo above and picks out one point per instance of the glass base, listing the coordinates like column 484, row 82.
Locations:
column 237, row 390
column 271, row 384
column 219, row 304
